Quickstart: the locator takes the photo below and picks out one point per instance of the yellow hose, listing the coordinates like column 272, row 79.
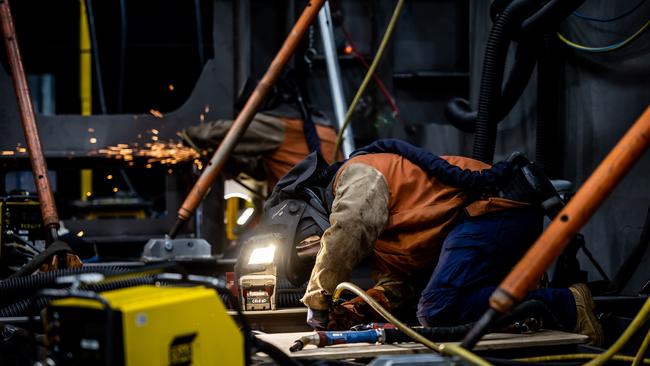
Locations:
column 637, row 322
column 368, row 77
column 578, row 356
column 447, row 349
column 641, row 352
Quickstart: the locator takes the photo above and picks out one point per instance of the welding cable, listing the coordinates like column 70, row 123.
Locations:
column 577, row 14
column 575, row 357
column 366, row 80
column 636, row 323
column 604, row 49
column 640, row 353
column 446, row 349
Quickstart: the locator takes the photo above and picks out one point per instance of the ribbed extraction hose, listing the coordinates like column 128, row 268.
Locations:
column 21, row 308
column 447, row 349
column 494, row 61
column 27, row 285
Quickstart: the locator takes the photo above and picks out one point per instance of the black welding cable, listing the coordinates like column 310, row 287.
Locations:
column 98, row 71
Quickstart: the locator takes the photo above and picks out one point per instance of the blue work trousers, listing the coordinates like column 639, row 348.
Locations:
column 476, row 255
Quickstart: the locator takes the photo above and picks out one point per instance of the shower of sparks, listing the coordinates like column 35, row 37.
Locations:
column 167, row 153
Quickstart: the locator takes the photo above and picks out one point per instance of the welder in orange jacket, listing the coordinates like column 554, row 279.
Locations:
column 440, row 230
column 285, row 131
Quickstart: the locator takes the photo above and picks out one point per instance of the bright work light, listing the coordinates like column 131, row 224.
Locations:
column 263, row 255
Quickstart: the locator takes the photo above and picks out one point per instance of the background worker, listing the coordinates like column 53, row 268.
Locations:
column 436, row 227
column 285, row 130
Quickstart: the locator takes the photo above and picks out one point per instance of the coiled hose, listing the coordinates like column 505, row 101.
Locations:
column 494, row 61
column 21, row 308
column 15, row 287
column 459, row 112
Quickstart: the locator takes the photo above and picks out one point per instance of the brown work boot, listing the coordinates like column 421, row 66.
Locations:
column 586, row 322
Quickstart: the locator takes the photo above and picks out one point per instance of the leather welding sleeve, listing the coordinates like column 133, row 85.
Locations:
column 359, row 215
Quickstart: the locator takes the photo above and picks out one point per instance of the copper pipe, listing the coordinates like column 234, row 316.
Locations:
column 213, row 168
column 28, row 118
column 574, row 215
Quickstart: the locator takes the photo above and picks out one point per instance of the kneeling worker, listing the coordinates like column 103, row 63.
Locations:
column 440, row 230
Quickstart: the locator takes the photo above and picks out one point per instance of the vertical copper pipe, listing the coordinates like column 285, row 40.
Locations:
column 39, row 167
column 213, row 168
column 576, row 213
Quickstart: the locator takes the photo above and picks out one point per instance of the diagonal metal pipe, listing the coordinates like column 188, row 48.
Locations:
column 218, row 160
column 28, row 118
column 566, row 224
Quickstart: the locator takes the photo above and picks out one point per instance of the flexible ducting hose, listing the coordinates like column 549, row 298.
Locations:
column 21, row 308
column 460, row 114
column 27, row 285
column 494, row 61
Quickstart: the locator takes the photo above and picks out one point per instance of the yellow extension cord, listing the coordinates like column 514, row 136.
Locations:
column 638, row 359
column 454, row 350
column 368, row 77
column 578, row 356
column 446, row 349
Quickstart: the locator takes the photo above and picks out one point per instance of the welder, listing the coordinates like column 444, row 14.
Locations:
column 441, row 231
column 286, row 129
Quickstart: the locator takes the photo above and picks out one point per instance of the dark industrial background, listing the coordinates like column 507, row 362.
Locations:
column 175, row 58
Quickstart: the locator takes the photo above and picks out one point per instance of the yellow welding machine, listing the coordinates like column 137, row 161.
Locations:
column 144, row 325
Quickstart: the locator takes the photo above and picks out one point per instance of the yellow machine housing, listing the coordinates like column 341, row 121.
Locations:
column 158, row 326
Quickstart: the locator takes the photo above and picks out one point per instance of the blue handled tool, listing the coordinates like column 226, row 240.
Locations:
column 329, row 338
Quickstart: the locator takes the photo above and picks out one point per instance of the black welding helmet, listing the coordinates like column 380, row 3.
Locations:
column 297, row 215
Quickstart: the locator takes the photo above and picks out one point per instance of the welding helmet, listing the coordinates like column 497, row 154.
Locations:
column 292, row 228
column 296, row 214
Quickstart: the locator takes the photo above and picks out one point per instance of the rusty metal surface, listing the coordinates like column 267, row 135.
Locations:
column 244, row 118
column 28, row 118
column 576, row 213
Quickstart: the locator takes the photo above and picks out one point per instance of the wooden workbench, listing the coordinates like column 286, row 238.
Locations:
column 494, row 341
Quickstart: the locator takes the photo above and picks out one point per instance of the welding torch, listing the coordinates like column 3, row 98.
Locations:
column 566, row 224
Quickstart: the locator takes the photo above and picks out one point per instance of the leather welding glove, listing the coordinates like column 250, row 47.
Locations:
column 356, row 311
column 317, row 319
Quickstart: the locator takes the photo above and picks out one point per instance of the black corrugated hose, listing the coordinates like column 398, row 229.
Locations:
column 21, row 308
column 494, row 61
column 459, row 112
column 14, row 287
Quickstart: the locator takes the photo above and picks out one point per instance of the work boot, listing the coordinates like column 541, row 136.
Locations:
column 586, row 322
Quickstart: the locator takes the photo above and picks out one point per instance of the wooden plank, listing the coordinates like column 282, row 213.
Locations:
column 493, row 341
